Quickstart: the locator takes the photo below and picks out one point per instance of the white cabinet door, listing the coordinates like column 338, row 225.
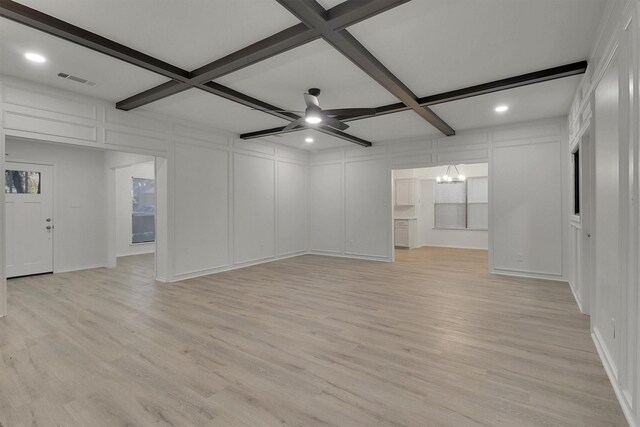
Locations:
column 404, row 192
column 402, row 236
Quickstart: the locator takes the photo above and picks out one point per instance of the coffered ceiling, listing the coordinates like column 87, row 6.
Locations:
column 428, row 46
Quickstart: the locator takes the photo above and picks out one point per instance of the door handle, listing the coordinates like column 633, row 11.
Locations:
column 48, row 219
column 49, row 227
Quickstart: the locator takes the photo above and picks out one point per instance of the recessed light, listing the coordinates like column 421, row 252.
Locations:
column 34, row 57
column 501, row 108
column 308, row 140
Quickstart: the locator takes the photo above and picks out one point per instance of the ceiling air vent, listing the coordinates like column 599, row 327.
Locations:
column 76, row 79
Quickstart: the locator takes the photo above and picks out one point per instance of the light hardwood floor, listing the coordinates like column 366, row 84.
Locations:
column 431, row 340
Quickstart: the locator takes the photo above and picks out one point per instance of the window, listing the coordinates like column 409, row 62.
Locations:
column 21, row 182
column 450, row 205
column 478, row 203
column 576, row 182
column 143, row 212
column 462, row 204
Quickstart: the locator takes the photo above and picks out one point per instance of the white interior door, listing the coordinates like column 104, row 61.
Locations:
column 29, row 218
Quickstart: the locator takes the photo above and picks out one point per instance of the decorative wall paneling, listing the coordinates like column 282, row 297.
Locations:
column 349, row 219
column 605, row 116
column 43, row 113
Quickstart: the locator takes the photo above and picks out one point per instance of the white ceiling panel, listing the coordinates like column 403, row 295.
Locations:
column 392, row 127
column 211, row 110
column 439, row 45
column 185, row 33
column 321, row 141
column 114, row 79
column 549, row 99
column 283, row 79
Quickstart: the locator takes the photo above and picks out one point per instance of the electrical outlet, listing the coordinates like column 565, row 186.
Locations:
column 520, row 257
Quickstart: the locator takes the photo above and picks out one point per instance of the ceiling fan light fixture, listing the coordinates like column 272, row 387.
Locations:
column 313, row 114
column 35, row 57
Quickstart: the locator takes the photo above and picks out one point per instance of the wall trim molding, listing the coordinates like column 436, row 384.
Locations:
column 611, row 374
column 526, row 274
column 80, row 268
column 475, row 248
column 575, row 296
column 191, row 275
column 349, row 256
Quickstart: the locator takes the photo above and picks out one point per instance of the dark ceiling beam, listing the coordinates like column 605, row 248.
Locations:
column 345, row 136
column 271, row 132
column 508, row 83
column 351, row 12
column 541, row 76
column 246, row 100
column 278, row 43
column 521, row 80
column 41, row 21
column 315, row 16
column 324, row 129
column 156, row 93
column 340, row 16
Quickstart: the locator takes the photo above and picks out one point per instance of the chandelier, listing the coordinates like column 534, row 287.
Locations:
column 449, row 176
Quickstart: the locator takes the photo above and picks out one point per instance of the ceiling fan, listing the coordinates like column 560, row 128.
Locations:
column 314, row 115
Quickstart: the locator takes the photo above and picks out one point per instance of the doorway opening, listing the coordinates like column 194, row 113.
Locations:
column 133, row 210
column 441, row 207
column 62, row 208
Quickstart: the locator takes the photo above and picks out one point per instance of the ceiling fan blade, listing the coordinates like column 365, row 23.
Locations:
column 294, row 124
column 334, row 123
column 311, row 100
column 278, row 111
column 350, row 112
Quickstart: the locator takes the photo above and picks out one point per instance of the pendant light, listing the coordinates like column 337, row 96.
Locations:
column 449, row 176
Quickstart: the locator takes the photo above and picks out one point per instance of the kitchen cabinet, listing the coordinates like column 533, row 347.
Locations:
column 405, row 231
column 405, row 192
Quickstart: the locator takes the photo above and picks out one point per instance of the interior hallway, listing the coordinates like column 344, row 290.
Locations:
column 432, row 339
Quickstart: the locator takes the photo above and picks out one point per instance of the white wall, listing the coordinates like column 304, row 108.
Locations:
column 228, row 202
column 236, row 207
column 429, row 236
column 605, row 242
column 350, row 194
column 79, row 237
column 124, row 207
column 526, row 213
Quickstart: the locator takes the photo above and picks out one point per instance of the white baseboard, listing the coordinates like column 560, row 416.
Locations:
column 611, row 373
column 453, row 247
column 142, row 250
column 83, row 267
column 229, row 267
column 575, row 297
column 351, row 256
column 527, row 274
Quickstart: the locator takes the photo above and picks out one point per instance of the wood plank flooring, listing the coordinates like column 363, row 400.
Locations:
column 431, row 340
